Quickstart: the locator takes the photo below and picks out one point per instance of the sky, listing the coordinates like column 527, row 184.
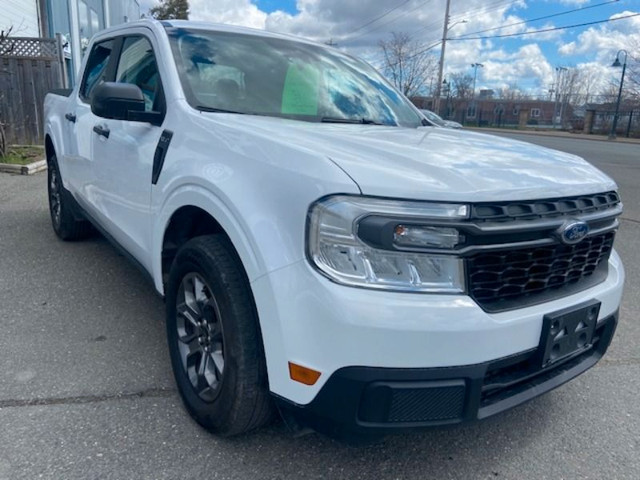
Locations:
column 528, row 61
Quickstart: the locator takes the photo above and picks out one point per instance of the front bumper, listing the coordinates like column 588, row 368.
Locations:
column 365, row 400
column 308, row 320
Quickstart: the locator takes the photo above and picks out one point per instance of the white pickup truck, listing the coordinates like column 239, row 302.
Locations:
column 322, row 250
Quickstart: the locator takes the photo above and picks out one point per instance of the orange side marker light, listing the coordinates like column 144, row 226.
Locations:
column 302, row 374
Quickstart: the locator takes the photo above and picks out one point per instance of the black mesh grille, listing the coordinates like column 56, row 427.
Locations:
column 427, row 404
column 497, row 277
column 537, row 209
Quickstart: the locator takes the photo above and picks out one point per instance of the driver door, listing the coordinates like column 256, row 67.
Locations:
column 123, row 154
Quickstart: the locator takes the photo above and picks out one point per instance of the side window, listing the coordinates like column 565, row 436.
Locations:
column 137, row 65
column 96, row 70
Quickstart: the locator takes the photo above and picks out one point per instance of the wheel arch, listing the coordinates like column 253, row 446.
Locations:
column 194, row 212
column 186, row 222
column 49, row 148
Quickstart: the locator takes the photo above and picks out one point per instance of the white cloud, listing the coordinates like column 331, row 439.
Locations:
column 603, row 41
column 235, row 12
column 343, row 21
column 567, row 49
column 544, row 36
column 527, row 63
column 574, row 2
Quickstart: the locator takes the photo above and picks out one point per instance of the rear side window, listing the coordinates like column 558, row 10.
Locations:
column 96, row 70
column 137, row 65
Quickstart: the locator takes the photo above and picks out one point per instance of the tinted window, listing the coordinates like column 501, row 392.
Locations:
column 272, row 76
column 137, row 65
column 96, row 70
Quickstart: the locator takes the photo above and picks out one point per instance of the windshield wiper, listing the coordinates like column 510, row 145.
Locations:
column 217, row 110
column 361, row 121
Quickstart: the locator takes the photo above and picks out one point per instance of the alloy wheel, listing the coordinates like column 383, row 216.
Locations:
column 54, row 195
column 200, row 336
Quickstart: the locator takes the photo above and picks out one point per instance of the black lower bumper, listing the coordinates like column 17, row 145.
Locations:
column 364, row 400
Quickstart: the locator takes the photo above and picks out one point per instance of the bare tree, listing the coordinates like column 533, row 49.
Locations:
column 510, row 92
column 407, row 64
column 171, row 10
column 633, row 70
column 587, row 83
column 462, row 85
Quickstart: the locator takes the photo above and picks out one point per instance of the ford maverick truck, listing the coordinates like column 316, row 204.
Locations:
column 322, row 250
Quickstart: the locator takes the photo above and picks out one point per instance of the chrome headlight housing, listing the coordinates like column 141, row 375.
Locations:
column 387, row 244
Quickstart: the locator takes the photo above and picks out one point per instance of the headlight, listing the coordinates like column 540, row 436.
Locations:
column 395, row 232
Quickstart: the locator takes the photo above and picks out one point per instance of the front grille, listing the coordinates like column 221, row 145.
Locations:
column 539, row 209
column 497, row 279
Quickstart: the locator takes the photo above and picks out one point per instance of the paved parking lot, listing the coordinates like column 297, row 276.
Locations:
column 86, row 388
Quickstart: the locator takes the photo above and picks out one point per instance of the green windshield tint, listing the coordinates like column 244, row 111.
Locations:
column 301, row 89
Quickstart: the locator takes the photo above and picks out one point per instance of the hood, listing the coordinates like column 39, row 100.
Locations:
column 441, row 164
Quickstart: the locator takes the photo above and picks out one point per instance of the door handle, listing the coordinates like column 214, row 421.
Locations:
column 100, row 130
column 71, row 117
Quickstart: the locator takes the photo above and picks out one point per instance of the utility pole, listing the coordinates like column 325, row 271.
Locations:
column 559, row 87
column 445, row 32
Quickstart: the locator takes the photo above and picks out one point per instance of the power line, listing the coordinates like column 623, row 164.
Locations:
column 415, row 54
column 376, row 27
column 539, row 18
column 381, row 16
column 428, row 26
column 546, row 29
column 485, row 8
column 424, row 50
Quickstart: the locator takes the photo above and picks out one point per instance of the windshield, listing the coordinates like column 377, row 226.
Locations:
column 251, row 74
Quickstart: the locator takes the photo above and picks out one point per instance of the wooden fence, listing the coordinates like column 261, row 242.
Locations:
column 29, row 69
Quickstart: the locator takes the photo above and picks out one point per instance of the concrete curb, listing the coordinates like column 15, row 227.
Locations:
column 28, row 169
column 542, row 133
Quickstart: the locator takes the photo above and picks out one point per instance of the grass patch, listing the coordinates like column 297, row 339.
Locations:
column 23, row 155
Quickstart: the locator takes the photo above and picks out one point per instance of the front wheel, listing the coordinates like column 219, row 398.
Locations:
column 214, row 338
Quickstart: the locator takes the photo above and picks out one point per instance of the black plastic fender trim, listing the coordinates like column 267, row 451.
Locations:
column 160, row 154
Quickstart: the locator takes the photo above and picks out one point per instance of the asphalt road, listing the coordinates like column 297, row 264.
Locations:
column 86, row 389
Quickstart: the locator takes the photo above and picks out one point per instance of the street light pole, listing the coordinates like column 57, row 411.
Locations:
column 616, row 63
column 475, row 75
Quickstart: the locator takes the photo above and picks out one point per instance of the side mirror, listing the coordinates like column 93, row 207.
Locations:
column 115, row 100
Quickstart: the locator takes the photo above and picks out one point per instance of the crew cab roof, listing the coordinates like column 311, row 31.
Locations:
column 209, row 26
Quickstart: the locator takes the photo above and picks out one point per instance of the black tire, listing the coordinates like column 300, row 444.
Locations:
column 66, row 225
column 232, row 395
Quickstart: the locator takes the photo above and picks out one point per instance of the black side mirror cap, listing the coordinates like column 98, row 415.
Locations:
column 115, row 100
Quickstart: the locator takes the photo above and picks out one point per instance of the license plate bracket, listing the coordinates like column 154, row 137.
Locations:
column 567, row 332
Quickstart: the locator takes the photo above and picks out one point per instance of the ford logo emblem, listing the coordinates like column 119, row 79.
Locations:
column 573, row 231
